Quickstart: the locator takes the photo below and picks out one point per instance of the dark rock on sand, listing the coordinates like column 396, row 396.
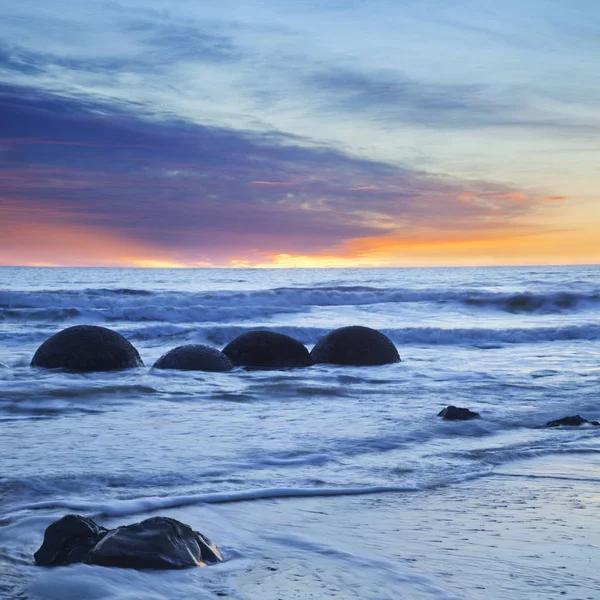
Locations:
column 68, row 540
column 455, row 413
column 194, row 357
column 573, row 421
column 156, row 543
column 355, row 345
column 87, row 348
column 267, row 350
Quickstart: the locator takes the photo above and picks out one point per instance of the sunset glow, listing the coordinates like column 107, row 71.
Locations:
column 477, row 147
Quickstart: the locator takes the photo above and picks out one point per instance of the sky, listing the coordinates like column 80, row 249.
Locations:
column 289, row 133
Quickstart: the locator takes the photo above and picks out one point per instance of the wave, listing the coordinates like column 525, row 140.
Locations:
column 481, row 337
column 180, row 307
column 220, row 335
column 428, row 336
column 118, row 508
column 497, row 457
column 147, row 313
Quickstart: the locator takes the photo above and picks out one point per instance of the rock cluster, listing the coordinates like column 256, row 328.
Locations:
column 89, row 348
column 156, row 543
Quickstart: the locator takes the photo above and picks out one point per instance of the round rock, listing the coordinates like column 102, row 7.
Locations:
column 194, row 357
column 267, row 350
column 355, row 346
column 87, row 348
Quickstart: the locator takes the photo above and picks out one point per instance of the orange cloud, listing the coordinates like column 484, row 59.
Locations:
column 40, row 237
column 433, row 249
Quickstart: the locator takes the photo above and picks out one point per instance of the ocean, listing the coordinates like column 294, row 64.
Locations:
column 321, row 482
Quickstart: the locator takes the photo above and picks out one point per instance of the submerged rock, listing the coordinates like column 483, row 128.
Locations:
column 194, row 357
column 87, row 348
column 155, row 543
column 355, row 346
column 267, row 350
column 573, row 421
column 455, row 413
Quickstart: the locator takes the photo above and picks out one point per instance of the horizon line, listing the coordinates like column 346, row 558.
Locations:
column 293, row 268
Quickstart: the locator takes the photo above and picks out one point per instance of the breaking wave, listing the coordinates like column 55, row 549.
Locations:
column 180, row 307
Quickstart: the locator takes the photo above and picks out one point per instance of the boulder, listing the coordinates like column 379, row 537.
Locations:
column 156, row 543
column 355, row 346
column 68, row 540
column 86, row 348
column 267, row 350
column 573, row 421
column 194, row 357
column 455, row 413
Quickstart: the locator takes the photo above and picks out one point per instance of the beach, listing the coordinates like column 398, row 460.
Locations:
column 319, row 482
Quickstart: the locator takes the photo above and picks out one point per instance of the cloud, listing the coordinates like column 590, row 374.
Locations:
column 150, row 47
column 19, row 60
column 205, row 193
column 391, row 99
column 171, row 42
column 392, row 95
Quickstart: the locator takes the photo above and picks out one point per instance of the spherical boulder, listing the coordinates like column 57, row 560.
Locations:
column 267, row 350
column 87, row 348
column 194, row 357
column 355, row 346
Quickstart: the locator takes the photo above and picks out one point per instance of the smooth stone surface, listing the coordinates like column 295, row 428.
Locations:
column 68, row 540
column 194, row 357
column 87, row 348
column 573, row 421
column 355, row 346
column 267, row 350
column 155, row 543
column 455, row 413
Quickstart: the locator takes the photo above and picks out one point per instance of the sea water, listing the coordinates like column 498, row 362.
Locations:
column 321, row 482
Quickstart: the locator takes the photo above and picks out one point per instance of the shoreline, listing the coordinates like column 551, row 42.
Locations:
column 521, row 532
column 526, row 531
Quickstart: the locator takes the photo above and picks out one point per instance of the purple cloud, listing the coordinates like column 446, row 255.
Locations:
column 218, row 192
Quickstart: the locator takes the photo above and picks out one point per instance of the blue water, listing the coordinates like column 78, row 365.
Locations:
column 303, row 476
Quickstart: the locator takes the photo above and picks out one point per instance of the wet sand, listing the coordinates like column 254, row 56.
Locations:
column 528, row 531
